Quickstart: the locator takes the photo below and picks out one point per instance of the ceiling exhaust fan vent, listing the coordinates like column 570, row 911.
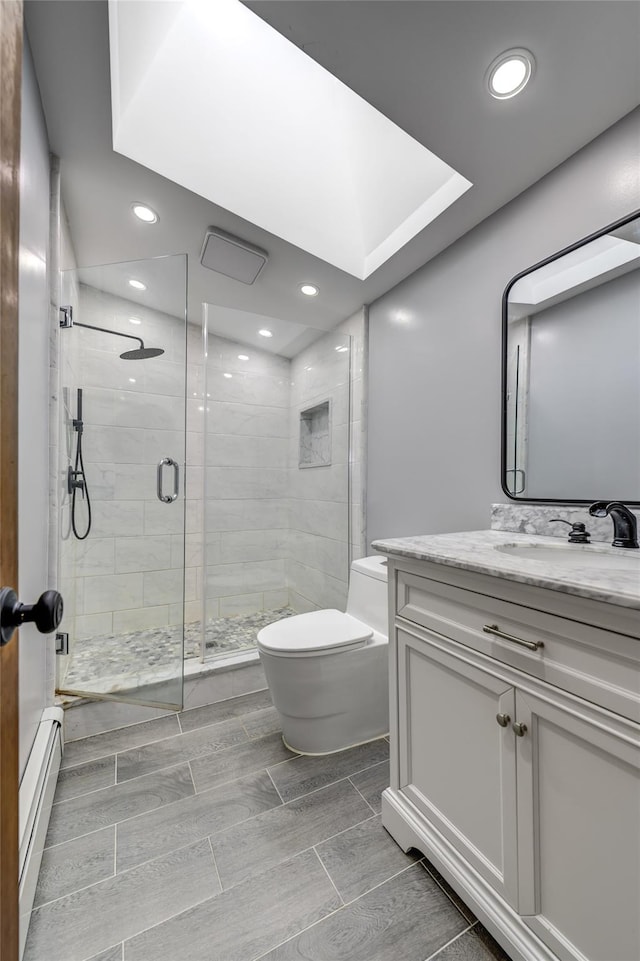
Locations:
column 232, row 256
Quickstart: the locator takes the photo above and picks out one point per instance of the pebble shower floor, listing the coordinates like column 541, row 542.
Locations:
column 127, row 660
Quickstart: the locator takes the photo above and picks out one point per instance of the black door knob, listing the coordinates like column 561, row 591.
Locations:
column 46, row 613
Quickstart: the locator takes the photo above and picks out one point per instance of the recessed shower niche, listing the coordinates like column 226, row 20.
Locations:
column 315, row 436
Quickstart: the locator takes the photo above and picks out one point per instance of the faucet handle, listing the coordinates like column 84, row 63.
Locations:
column 578, row 533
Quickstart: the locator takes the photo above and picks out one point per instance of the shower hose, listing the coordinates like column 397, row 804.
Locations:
column 77, row 480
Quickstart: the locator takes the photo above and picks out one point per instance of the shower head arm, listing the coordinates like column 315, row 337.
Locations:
column 105, row 330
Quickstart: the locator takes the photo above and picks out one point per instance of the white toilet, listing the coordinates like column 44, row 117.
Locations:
column 327, row 670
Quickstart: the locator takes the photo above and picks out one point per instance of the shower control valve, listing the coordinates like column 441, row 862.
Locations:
column 75, row 481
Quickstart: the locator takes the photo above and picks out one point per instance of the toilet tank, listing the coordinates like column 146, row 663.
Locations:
column 367, row 598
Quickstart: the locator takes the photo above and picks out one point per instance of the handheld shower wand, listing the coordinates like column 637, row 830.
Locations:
column 76, row 477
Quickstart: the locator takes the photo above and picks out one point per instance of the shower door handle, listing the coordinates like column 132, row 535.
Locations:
column 168, row 462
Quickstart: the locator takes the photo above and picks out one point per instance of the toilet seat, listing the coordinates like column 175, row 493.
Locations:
column 317, row 632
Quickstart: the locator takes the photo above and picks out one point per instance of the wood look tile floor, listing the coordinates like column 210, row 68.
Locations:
column 200, row 837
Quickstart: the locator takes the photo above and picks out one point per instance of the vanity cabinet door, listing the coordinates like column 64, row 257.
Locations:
column 579, row 830
column 457, row 764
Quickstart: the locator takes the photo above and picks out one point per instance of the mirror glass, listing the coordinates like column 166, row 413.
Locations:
column 571, row 373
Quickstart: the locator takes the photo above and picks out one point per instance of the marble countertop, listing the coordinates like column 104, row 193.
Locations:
column 476, row 551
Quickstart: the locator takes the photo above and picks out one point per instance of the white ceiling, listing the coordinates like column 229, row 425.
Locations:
column 346, row 184
column 421, row 64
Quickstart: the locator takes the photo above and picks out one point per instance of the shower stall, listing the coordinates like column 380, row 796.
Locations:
column 209, row 479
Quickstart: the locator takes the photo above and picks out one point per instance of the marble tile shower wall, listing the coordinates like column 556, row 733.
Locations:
column 127, row 575
column 319, row 512
column 246, row 479
column 277, row 534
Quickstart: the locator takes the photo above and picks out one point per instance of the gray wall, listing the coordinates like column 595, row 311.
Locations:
column 434, row 349
column 33, row 399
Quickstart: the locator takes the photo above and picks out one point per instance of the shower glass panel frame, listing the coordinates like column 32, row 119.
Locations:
column 277, row 477
column 121, row 481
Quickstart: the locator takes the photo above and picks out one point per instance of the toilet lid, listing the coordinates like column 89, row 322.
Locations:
column 320, row 631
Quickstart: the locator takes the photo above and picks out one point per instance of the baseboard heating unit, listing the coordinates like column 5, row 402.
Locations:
column 37, row 788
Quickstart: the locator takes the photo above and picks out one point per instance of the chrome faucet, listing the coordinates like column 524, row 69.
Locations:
column 625, row 526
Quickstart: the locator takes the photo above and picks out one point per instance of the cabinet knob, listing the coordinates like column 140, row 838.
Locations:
column 520, row 729
column 503, row 719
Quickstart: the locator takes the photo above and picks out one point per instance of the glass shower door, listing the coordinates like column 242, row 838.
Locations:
column 121, row 480
column 277, row 467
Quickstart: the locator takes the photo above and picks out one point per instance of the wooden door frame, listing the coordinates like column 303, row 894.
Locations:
column 10, row 101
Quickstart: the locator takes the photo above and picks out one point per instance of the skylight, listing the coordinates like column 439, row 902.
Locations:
column 590, row 262
column 208, row 95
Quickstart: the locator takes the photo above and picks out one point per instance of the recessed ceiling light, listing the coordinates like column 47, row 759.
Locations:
column 309, row 290
column 135, row 320
column 229, row 376
column 132, row 380
column 243, row 357
column 144, row 213
column 137, row 285
column 265, row 333
column 509, row 73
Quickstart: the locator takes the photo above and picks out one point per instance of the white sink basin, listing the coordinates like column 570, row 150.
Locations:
column 576, row 556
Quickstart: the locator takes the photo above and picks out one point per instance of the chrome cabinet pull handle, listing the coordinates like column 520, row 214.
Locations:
column 494, row 629
column 520, row 729
column 503, row 719
column 168, row 462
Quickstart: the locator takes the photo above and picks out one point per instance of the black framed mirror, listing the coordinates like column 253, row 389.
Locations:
column 571, row 373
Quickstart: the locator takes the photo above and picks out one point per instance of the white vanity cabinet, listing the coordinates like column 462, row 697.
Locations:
column 516, row 758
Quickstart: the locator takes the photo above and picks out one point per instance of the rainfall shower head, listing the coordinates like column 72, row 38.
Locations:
column 141, row 353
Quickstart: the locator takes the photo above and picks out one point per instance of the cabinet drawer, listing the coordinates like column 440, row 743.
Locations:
column 601, row 666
